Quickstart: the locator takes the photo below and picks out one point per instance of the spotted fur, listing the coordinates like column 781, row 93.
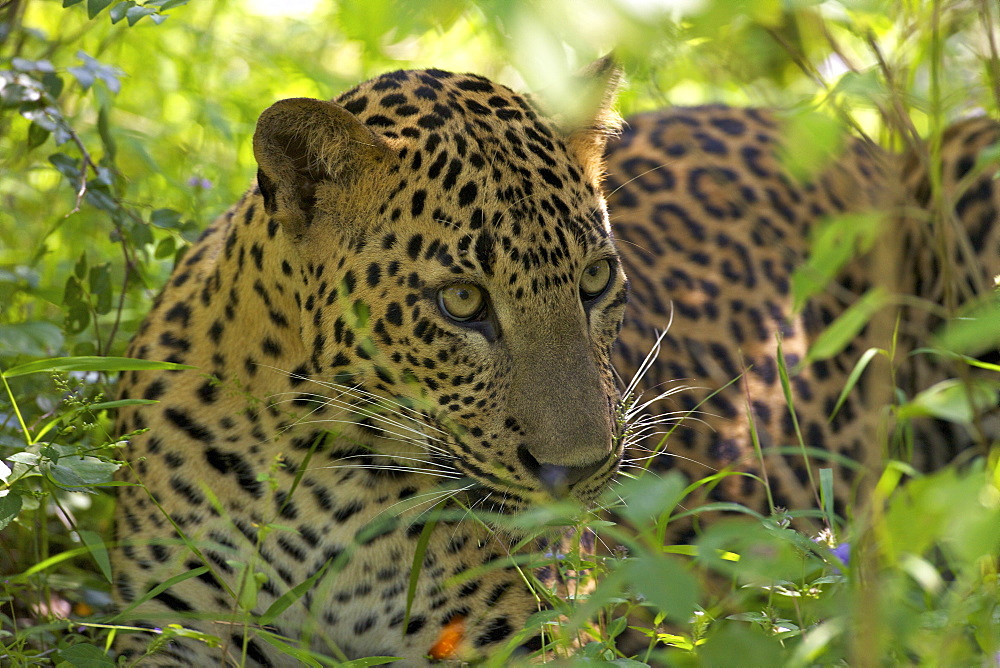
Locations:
column 711, row 225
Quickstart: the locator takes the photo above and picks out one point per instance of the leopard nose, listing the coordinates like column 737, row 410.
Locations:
column 555, row 478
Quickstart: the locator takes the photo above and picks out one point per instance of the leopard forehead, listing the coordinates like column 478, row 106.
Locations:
column 484, row 179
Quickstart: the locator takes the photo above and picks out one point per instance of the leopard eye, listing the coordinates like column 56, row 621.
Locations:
column 595, row 278
column 461, row 302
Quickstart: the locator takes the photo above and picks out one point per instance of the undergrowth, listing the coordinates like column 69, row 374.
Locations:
column 94, row 185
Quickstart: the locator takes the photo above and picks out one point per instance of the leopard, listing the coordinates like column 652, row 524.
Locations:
column 411, row 311
column 435, row 294
column 715, row 221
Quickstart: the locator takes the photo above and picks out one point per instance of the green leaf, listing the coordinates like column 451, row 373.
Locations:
column 664, row 583
column 71, row 471
column 160, row 588
column 811, row 142
column 95, row 7
column 248, row 585
column 77, row 309
column 117, row 403
column 834, row 243
column 369, row 661
column 617, row 626
column 138, row 12
column 70, row 3
column 66, row 165
column 80, row 268
column 415, row 565
column 98, row 550
column 285, row 601
column 86, row 656
column 104, row 130
column 737, row 645
column 76, row 471
column 954, row 400
column 168, row 219
column 165, row 248
column 302, row 656
column 866, row 85
column 852, row 380
column 10, row 506
column 647, row 498
column 845, row 329
column 975, row 332
column 92, row 363
column 100, row 197
column 12, row 95
column 190, row 231
column 53, row 84
column 37, row 135
column 100, row 287
column 35, row 338
column 117, row 12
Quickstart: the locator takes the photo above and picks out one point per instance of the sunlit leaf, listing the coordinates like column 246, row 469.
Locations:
column 844, row 330
column 91, row 364
column 954, row 400
column 974, row 332
column 834, row 243
column 740, row 645
column 811, row 141
column 664, row 583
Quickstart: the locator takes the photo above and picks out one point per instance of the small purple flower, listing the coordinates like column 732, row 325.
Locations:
column 199, row 182
column 843, row 552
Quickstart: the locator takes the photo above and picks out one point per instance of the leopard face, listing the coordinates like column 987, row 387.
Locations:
column 461, row 274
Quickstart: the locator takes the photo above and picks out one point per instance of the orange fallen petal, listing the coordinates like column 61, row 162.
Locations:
column 449, row 638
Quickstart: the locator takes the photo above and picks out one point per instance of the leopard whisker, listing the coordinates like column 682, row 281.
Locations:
column 377, row 467
column 637, row 176
column 394, row 437
column 367, row 413
column 651, row 356
column 435, row 496
column 397, row 408
column 402, row 458
column 627, row 462
column 636, row 407
column 354, row 392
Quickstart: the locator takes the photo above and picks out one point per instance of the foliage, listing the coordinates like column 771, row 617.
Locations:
column 124, row 129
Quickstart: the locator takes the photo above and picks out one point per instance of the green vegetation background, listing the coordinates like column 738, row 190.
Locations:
column 125, row 129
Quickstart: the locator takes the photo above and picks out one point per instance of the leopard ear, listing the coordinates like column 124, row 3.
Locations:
column 309, row 153
column 592, row 120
